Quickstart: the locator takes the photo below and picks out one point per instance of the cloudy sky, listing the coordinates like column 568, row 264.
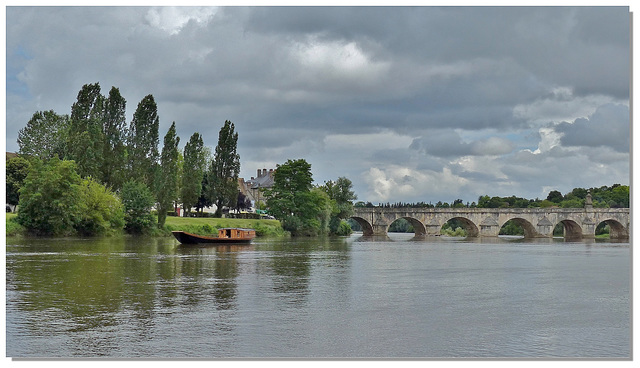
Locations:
column 411, row 104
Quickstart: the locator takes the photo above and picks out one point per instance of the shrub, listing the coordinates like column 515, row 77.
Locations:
column 50, row 198
column 12, row 226
column 54, row 200
column 101, row 210
column 344, row 229
column 137, row 200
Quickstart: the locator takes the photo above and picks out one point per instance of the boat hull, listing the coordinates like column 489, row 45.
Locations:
column 188, row 238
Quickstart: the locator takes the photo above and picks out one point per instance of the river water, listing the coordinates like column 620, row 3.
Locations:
column 353, row 297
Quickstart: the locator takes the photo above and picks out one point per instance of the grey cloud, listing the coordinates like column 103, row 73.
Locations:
column 608, row 126
column 448, row 143
column 290, row 75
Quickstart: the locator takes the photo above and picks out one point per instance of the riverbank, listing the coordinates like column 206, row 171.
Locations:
column 195, row 225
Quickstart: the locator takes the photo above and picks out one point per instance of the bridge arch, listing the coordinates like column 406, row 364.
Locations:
column 571, row 229
column 418, row 226
column 616, row 229
column 367, row 228
column 529, row 229
column 469, row 226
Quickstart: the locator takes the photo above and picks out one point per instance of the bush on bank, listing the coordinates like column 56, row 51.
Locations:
column 55, row 200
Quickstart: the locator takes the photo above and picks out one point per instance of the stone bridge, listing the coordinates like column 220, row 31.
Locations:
column 536, row 222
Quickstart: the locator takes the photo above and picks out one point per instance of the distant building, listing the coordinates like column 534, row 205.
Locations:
column 254, row 188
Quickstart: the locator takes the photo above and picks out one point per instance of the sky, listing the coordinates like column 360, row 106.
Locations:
column 412, row 104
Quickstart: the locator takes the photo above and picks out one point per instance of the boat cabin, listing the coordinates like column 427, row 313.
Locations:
column 236, row 233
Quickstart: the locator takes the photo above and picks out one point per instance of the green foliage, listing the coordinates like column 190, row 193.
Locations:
column 101, row 212
column 223, row 173
column 291, row 187
column 458, row 232
column 85, row 141
column 50, row 198
column 137, row 201
column 142, row 143
column 344, row 229
column 401, row 226
column 168, row 180
column 17, row 170
column 114, row 129
column 45, row 135
column 511, row 228
column 555, row 196
column 12, row 226
column 193, row 172
column 454, row 227
column 342, row 195
column 616, row 196
column 54, row 200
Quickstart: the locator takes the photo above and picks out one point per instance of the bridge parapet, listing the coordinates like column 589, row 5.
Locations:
column 537, row 222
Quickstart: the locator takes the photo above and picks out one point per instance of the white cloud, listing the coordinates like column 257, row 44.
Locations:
column 333, row 64
column 172, row 19
column 559, row 104
column 549, row 139
column 394, row 181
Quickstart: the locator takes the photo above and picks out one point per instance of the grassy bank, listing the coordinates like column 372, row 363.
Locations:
column 209, row 226
column 13, row 227
column 200, row 226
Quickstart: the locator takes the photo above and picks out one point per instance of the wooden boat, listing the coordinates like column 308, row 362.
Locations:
column 230, row 235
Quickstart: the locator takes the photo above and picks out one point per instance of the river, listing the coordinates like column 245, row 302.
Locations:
column 355, row 297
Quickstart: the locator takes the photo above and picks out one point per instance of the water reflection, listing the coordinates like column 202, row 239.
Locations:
column 331, row 297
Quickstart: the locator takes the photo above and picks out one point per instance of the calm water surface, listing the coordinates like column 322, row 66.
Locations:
column 396, row 297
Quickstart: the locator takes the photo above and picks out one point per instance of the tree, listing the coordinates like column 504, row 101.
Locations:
column 555, row 196
column 50, row 199
column 137, row 200
column 142, row 143
column 342, row 195
column 192, row 172
column 114, row 128
column 45, row 135
column 85, row 140
column 224, row 170
column 243, row 202
column 168, row 179
column 620, row 196
column 291, row 199
column 17, row 170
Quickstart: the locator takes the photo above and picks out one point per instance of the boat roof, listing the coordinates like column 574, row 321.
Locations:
column 235, row 228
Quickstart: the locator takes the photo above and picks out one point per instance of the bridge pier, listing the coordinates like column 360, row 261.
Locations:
column 380, row 230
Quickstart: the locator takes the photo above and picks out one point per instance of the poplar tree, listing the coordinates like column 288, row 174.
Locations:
column 142, row 143
column 192, row 171
column 85, row 138
column 114, row 128
column 168, row 178
column 224, row 170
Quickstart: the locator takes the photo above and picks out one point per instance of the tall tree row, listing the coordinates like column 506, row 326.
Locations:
column 111, row 152
column 192, row 172
column 167, row 182
column 225, row 167
column 142, row 144
column 85, row 132
column 114, row 128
